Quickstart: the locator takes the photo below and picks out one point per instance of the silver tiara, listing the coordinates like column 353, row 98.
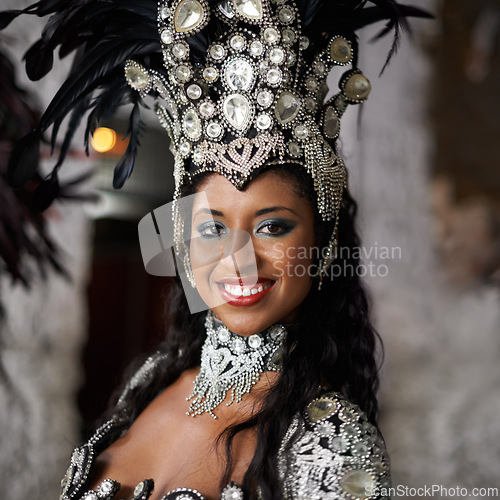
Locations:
column 249, row 99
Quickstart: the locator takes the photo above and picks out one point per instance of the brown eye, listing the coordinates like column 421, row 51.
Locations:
column 273, row 228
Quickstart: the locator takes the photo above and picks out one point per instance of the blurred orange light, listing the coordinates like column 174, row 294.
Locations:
column 103, row 140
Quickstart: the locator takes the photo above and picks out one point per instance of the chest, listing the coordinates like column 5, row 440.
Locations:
column 175, row 450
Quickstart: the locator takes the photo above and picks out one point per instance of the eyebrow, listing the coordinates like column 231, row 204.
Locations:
column 262, row 211
column 268, row 210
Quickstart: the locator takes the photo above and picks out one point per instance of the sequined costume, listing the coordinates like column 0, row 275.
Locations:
column 330, row 451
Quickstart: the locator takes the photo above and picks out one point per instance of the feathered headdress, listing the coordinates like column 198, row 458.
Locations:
column 105, row 34
column 238, row 84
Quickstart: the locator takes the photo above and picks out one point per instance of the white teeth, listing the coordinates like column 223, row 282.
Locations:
column 239, row 291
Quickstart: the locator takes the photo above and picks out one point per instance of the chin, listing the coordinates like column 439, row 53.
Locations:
column 243, row 323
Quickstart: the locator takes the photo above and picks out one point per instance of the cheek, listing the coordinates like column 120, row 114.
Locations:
column 294, row 262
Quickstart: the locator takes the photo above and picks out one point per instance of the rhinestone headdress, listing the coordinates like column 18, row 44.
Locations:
column 238, row 84
column 253, row 95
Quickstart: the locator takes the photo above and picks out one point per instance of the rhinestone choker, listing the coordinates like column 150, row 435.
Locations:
column 233, row 363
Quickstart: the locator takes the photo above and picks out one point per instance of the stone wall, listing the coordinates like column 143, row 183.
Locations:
column 42, row 335
column 439, row 393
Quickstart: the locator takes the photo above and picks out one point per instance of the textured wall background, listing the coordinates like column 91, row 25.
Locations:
column 42, row 336
column 440, row 379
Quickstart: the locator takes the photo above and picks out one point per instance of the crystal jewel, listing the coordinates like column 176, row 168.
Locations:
column 256, row 48
column 277, row 55
column 239, row 346
column 137, row 76
column 223, row 334
column 311, row 84
column 185, row 148
column 286, row 15
column 180, row 50
column 321, row 409
column 194, row 91
column 301, row 132
column 166, row 36
column 192, row 124
column 265, row 98
column 214, row 130
column 251, row 9
column 294, row 149
column 263, row 122
column 239, row 74
column 288, row 36
column 310, row 104
column 254, row 341
column 188, row 16
column 340, row 51
column 287, row 107
column 106, row 487
column 339, row 443
column 210, row 74
column 237, row 111
column 226, row 7
column 217, row 52
column 271, row 35
column 182, row 73
column 304, row 43
column 274, row 76
column 331, row 125
column 197, row 156
column 237, row 42
column 357, row 483
column 165, row 13
column 357, row 87
column 139, row 489
column 207, row 109
column 319, row 68
column 277, row 332
column 360, row 448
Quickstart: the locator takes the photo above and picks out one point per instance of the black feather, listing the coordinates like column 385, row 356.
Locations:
column 39, row 61
column 125, row 166
column 46, row 192
column 8, row 16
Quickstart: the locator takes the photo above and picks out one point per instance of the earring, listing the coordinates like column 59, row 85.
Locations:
column 189, row 271
column 327, row 260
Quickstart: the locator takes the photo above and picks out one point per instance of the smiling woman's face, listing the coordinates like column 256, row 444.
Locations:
column 249, row 291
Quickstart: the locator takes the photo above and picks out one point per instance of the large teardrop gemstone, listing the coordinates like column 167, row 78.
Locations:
column 251, row 9
column 237, row 111
column 188, row 16
column 287, row 107
column 239, row 74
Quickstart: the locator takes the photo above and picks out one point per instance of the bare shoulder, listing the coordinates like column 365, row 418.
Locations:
column 333, row 451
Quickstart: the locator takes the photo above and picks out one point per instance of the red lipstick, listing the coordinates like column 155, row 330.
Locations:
column 244, row 291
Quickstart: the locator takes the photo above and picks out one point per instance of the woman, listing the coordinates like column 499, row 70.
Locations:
column 280, row 373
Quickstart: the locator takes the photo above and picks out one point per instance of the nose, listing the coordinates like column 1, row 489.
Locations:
column 238, row 254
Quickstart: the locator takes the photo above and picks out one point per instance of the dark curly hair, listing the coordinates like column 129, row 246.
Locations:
column 333, row 341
